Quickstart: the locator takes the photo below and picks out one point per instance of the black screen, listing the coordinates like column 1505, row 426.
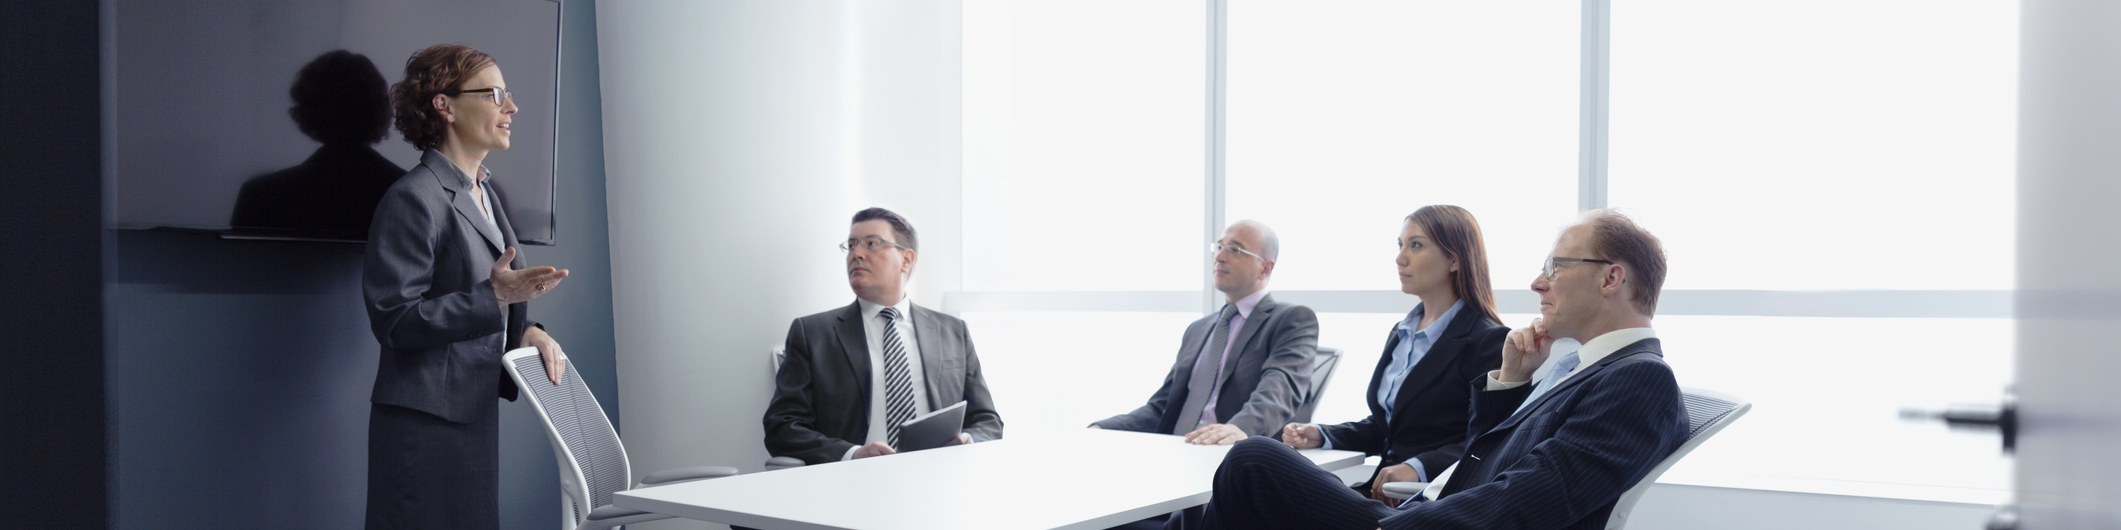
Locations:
column 265, row 116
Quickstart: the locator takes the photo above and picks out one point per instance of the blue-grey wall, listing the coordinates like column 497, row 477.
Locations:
column 241, row 370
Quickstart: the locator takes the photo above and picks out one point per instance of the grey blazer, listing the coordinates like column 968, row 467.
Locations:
column 820, row 404
column 430, row 302
column 1265, row 380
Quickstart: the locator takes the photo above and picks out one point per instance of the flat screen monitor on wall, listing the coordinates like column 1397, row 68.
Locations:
column 265, row 118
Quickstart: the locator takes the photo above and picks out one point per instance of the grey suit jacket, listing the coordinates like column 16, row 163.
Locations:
column 820, row 406
column 1266, row 379
column 430, row 302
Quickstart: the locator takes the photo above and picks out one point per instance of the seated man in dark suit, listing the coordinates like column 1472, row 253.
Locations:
column 1556, row 453
column 1243, row 371
column 852, row 375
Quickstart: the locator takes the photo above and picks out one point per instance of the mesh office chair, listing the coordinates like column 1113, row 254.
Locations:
column 1707, row 413
column 593, row 464
column 1322, row 366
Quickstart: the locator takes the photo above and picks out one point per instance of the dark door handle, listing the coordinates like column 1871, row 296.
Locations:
column 2002, row 418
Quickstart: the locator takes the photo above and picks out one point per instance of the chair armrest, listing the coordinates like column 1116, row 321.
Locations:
column 608, row 512
column 783, row 462
column 686, row 474
column 1404, row 490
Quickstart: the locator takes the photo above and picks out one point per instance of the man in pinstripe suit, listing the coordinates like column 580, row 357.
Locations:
column 1558, row 440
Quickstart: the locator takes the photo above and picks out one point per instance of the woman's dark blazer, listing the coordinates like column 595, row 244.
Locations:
column 1435, row 401
column 430, row 300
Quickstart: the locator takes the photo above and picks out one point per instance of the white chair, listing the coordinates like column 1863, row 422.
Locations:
column 778, row 355
column 1707, row 413
column 593, row 464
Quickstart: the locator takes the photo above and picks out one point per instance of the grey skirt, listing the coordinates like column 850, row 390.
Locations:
column 427, row 472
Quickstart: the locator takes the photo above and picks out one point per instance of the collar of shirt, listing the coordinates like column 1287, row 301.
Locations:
column 871, row 309
column 1245, row 305
column 1598, row 348
column 434, row 159
column 1435, row 328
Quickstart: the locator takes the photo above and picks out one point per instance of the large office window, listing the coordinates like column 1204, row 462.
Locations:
column 1823, row 144
column 1344, row 116
column 1833, row 182
column 1860, row 146
column 1083, row 172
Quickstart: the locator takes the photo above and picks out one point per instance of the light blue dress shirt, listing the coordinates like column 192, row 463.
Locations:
column 1410, row 351
column 1413, row 345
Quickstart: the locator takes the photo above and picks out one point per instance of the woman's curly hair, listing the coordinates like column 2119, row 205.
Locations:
column 437, row 69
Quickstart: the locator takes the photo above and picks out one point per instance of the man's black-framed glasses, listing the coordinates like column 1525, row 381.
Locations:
column 493, row 94
column 1546, row 270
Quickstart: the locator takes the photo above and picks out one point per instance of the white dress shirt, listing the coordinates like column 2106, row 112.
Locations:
column 873, row 329
column 1589, row 354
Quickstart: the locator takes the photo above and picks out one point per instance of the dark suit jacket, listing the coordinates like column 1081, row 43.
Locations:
column 1266, row 378
column 430, row 300
column 820, row 402
column 1430, row 414
column 1564, row 461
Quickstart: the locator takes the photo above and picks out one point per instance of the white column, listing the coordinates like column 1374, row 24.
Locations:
column 740, row 137
column 2069, row 182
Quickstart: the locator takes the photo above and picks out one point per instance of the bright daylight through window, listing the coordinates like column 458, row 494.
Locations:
column 1833, row 181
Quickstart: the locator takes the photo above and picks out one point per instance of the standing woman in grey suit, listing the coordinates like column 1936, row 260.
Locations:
column 447, row 295
column 1421, row 394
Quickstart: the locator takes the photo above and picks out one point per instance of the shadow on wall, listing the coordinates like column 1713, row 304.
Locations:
column 341, row 101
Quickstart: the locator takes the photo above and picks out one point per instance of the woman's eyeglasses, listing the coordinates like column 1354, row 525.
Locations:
column 493, row 94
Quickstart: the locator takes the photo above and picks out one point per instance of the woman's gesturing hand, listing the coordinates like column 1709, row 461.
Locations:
column 516, row 286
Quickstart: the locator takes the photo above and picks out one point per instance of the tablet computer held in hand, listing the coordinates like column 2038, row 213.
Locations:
column 932, row 430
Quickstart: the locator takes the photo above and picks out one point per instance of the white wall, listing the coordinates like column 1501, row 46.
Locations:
column 740, row 139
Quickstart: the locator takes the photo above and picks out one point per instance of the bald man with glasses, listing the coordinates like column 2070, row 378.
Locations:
column 1242, row 371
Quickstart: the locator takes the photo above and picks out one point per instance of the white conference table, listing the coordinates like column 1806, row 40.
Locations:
column 1086, row 479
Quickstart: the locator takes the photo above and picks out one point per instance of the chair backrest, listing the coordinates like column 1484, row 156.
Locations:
column 1322, row 366
column 592, row 462
column 1707, row 413
column 780, row 355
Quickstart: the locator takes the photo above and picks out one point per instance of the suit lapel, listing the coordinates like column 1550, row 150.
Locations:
column 1433, row 365
column 452, row 179
column 928, row 336
column 500, row 219
column 1377, row 377
column 469, row 210
column 854, row 341
column 1526, row 411
column 1253, row 323
column 1188, row 358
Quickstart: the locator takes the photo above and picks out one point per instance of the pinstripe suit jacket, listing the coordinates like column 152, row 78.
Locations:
column 1563, row 461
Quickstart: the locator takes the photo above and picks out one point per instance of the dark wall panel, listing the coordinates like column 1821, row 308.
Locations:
column 53, row 443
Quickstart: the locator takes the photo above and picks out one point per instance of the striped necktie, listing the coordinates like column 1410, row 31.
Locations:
column 898, row 378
